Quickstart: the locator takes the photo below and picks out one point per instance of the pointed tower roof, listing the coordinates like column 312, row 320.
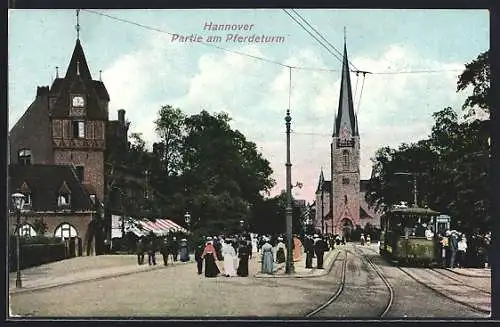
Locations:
column 321, row 181
column 78, row 64
column 345, row 119
column 78, row 80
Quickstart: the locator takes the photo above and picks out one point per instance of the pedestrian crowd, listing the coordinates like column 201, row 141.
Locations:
column 169, row 247
column 459, row 251
column 274, row 252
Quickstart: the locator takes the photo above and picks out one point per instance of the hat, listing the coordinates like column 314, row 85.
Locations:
column 315, row 235
column 280, row 238
column 183, row 240
column 209, row 238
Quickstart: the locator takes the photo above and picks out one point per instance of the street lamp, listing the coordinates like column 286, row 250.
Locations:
column 187, row 218
column 289, row 261
column 18, row 199
column 414, row 185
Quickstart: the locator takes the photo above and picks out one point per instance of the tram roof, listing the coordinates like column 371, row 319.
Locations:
column 414, row 210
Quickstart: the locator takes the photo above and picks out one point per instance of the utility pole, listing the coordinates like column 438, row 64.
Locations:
column 322, row 210
column 289, row 262
column 414, row 175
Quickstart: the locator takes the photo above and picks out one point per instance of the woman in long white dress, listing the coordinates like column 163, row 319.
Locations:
column 229, row 255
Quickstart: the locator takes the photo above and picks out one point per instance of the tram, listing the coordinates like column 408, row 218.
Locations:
column 410, row 235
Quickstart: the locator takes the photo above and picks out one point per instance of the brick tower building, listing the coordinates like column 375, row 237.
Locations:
column 57, row 152
column 340, row 203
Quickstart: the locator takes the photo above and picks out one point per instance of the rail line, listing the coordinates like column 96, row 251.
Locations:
column 474, row 308
column 390, row 301
column 460, row 281
column 336, row 294
column 342, row 285
column 467, row 275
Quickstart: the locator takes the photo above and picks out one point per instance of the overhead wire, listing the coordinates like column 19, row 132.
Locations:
column 257, row 57
column 360, row 95
column 320, row 35
column 314, row 37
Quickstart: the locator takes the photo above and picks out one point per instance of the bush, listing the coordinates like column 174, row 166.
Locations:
column 37, row 254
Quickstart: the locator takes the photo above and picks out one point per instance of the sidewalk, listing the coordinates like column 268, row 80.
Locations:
column 300, row 267
column 81, row 269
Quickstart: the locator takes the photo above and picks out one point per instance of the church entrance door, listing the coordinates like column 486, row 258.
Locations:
column 347, row 228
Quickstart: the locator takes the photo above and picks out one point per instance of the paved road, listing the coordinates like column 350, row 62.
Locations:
column 177, row 291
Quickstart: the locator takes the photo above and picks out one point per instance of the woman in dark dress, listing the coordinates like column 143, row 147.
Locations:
column 210, row 257
column 243, row 254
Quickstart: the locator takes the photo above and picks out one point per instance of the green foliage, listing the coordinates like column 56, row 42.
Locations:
column 478, row 76
column 452, row 164
column 203, row 166
column 452, row 168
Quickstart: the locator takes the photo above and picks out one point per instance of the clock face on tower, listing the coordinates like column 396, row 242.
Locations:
column 78, row 101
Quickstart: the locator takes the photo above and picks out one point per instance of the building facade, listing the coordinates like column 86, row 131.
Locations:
column 340, row 201
column 66, row 130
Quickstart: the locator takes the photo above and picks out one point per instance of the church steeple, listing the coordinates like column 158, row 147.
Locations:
column 321, row 181
column 345, row 121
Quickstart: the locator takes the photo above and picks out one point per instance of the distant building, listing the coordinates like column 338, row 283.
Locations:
column 340, row 201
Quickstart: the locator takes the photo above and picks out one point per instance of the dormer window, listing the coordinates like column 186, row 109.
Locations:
column 63, row 200
column 78, row 129
column 24, row 156
column 25, row 189
column 64, row 196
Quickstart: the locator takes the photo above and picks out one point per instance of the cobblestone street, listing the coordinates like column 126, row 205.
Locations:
column 177, row 291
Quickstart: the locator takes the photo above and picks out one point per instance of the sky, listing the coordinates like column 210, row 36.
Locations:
column 145, row 68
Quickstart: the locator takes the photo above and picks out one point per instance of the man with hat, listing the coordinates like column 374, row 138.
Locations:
column 309, row 249
column 319, row 249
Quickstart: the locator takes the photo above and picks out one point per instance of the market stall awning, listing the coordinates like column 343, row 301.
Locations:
column 159, row 227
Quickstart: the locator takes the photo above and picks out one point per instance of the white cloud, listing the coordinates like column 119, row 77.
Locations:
column 394, row 108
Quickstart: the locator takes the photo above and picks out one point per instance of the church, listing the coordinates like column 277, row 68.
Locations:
column 340, row 201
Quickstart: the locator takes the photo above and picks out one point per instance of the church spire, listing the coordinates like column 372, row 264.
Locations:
column 78, row 24
column 345, row 121
column 321, row 181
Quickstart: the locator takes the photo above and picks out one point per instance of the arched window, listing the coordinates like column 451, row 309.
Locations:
column 345, row 160
column 65, row 230
column 27, row 230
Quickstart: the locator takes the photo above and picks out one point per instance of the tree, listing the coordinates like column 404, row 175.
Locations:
column 170, row 127
column 221, row 167
column 477, row 75
column 452, row 166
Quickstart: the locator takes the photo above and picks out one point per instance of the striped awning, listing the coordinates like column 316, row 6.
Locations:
column 159, row 227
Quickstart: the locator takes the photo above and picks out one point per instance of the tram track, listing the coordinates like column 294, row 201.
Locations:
column 337, row 293
column 390, row 301
column 475, row 308
column 460, row 281
column 342, row 286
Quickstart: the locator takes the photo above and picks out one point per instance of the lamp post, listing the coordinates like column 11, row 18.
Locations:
column 18, row 199
column 322, row 211
column 414, row 185
column 187, row 219
column 289, row 261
